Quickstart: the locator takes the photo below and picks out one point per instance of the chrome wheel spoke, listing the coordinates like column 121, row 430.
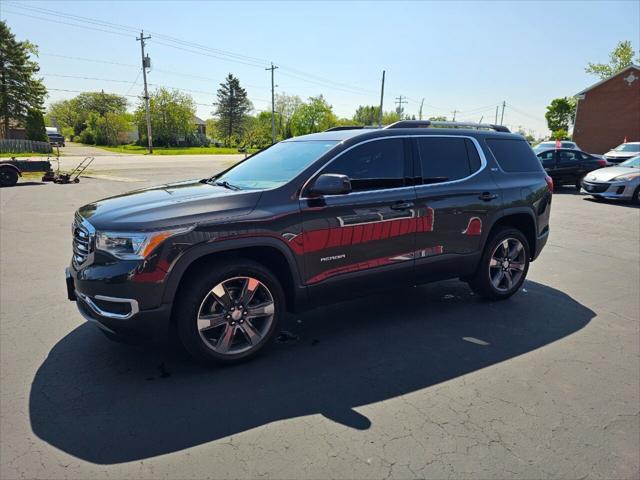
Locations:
column 494, row 263
column 222, row 295
column 509, row 278
column 253, row 336
column 505, row 248
column 515, row 250
column 517, row 266
column 211, row 320
column 224, row 342
column 249, row 290
column 261, row 310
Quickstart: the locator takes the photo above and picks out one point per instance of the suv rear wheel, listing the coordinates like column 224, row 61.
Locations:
column 229, row 311
column 504, row 265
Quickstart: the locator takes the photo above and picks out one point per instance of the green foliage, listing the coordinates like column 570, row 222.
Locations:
column 34, row 126
column 620, row 58
column 257, row 131
column 312, row 117
column 20, row 90
column 367, row 115
column 560, row 134
column 75, row 113
column 438, row 119
column 110, row 128
column 172, row 119
column 285, row 107
column 560, row 113
column 231, row 109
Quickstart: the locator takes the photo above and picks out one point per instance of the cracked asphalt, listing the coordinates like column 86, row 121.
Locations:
column 429, row 382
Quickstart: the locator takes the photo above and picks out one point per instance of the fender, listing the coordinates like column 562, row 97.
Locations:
column 513, row 211
column 198, row 251
column 12, row 166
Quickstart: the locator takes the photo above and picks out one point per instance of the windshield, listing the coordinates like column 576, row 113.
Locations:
column 276, row 165
column 632, row 162
column 628, row 147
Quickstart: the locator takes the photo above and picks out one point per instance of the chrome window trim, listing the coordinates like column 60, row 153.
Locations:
column 103, row 313
column 483, row 164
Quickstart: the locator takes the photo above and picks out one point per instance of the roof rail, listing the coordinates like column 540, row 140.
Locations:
column 429, row 123
column 351, row 127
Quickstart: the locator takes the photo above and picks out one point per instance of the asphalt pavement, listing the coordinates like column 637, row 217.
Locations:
column 423, row 382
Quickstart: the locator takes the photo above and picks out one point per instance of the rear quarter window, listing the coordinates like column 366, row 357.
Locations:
column 514, row 155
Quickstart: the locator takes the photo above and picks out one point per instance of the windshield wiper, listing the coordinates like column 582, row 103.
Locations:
column 225, row 184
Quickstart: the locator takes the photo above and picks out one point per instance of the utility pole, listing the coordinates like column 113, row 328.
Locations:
column 273, row 105
column 496, row 122
column 381, row 101
column 400, row 102
column 420, row 111
column 454, row 115
column 146, row 63
column 481, row 119
column 502, row 116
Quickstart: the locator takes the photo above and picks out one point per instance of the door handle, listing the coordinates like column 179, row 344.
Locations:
column 402, row 206
column 487, row 196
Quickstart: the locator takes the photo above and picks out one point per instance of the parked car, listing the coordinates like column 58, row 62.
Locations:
column 567, row 166
column 620, row 182
column 309, row 221
column 542, row 146
column 622, row 152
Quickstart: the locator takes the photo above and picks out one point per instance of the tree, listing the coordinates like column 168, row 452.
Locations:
column 20, row 90
column 314, row 116
column 560, row 134
column 172, row 118
column 109, row 129
column 231, row 108
column 621, row 57
column 560, row 113
column 367, row 115
column 75, row 113
column 285, row 107
column 34, row 126
column 438, row 119
column 257, row 130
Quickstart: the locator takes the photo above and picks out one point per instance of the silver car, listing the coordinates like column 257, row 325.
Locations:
column 622, row 152
column 622, row 181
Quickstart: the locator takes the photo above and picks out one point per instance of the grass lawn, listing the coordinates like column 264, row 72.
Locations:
column 22, row 155
column 174, row 150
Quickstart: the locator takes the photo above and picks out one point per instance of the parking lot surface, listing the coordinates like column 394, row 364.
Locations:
column 424, row 382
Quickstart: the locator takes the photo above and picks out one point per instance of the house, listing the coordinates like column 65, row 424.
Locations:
column 201, row 124
column 608, row 112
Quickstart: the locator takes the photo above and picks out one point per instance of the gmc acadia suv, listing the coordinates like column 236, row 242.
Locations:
column 310, row 220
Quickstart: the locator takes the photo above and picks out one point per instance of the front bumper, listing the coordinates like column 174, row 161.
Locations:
column 612, row 190
column 119, row 318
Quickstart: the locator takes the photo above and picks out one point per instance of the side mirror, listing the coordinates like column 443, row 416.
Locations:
column 331, row 184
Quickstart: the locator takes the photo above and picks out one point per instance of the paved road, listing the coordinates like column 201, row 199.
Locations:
column 426, row 382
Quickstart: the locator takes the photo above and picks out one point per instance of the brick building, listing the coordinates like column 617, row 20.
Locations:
column 608, row 112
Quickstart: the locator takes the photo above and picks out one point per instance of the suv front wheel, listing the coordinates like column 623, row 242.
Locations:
column 504, row 265
column 229, row 311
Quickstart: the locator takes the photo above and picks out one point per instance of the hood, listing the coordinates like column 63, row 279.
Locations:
column 169, row 205
column 608, row 173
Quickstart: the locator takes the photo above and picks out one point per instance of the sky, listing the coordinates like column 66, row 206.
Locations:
column 463, row 56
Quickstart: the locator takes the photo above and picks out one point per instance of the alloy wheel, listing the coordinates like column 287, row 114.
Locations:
column 507, row 264
column 236, row 315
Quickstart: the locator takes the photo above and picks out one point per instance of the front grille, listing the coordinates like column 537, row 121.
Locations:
column 83, row 240
column 595, row 187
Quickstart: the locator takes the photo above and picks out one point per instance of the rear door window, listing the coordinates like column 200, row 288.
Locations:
column 444, row 159
column 514, row 155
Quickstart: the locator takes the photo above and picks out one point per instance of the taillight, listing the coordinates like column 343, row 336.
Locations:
column 549, row 183
column 602, row 163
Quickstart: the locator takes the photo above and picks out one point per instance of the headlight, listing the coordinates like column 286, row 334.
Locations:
column 133, row 245
column 626, row 177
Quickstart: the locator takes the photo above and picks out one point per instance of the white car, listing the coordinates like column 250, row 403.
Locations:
column 622, row 152
column 542, row 146
column 621, row 181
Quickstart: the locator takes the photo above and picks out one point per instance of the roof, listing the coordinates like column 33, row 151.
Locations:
column 198, row 121
column 341, row 135
column 630, row 67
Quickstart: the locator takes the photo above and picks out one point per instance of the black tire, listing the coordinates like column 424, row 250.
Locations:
column 8, row 177
column 193, row 294
column 481, row 282
column 636, row 196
